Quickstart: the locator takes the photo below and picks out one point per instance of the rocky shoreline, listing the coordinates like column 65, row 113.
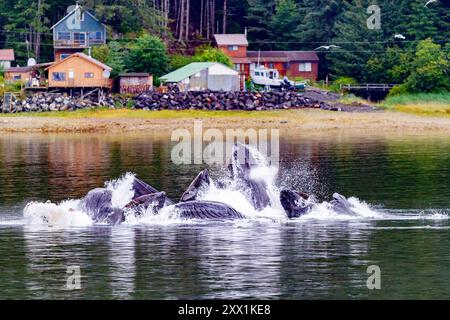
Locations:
column 175, row 100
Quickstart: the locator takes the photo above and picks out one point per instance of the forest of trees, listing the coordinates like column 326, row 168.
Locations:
column 369, row 55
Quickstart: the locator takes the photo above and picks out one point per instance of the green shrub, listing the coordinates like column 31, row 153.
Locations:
column 209, row 54
column 178, row 61
column 336, row 84
column 398, row 90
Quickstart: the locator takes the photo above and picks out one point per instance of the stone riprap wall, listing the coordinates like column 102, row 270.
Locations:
column 173, row 100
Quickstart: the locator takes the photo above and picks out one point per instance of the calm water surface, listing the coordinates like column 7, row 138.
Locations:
column 407, row 179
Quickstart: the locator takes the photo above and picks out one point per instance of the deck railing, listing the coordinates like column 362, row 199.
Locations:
column 77, row 43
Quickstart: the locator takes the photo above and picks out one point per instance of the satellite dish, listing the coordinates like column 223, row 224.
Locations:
column 71, row 8
column 106, row 74
column 31, row 62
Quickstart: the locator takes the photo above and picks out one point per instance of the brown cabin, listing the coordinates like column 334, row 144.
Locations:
column 295, row 64
column 79, row 71
column 30, row 76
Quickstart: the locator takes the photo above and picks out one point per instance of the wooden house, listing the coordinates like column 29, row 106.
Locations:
column 79, row 71
column 6, row 58
column 235, row 46
column 77, row 31
column 30, row 76
column 293, row 64
column 134, row 83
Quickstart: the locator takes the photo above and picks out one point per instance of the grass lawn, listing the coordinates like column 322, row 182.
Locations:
column 106, row 113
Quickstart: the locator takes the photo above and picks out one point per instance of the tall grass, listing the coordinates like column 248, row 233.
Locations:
column 418, row 98
column 435, row 104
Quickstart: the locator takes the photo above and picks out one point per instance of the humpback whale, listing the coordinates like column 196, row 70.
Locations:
column 158, row 200
column 242, row 162
column 207, row 210
column 341, row 205
column 294, row 203
column 97, row 204
column 202, row 181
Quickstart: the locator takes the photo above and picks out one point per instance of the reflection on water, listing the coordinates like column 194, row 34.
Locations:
column 249, row 259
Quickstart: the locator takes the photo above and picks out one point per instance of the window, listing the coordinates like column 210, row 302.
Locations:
column 79, row 37
column 237, row 66
column 17, row 77
column 59, row 76
column 257, row 73
column 89, row 75
column 63, row 36
column 64, row 56
column 98, row 35
column 271, row 65
column 305, row 67
column 232, row 48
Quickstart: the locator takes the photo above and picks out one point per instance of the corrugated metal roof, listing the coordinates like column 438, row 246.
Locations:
column 186, row 71
column 7, row 55
column 231, row 39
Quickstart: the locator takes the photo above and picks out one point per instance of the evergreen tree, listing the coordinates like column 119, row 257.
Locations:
column 357, row 43
column 283, row 24
column 258, row 17
column 318, row 19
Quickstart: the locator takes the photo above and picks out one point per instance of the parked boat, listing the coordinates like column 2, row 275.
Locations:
column 270, row 79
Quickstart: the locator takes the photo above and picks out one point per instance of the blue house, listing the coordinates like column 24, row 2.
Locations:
column 78, row 30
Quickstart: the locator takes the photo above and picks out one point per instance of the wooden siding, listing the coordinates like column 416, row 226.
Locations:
column 89, row 25
column 133, row 85
column 80, row 67
column 294, row 71
column 24, row 76
column 241, row 52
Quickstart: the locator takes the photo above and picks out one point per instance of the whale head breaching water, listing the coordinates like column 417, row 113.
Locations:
column 201, row 182
column 98, row 205
column 243, row 161
column 295, row 204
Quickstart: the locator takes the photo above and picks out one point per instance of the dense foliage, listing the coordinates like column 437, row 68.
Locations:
column 368, row 55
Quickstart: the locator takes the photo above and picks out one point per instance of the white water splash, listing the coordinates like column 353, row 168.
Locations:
column 64, row 214
column 122, row 190
column 226, row 190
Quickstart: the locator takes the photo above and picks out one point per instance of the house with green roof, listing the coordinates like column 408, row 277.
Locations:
column 199, row 76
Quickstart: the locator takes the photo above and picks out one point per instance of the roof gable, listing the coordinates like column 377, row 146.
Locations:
column 6, row 54
column 77, row 8
column 231, row 39
column 84, row 57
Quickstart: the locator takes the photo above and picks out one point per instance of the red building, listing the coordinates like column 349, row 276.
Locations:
column 294, row 64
